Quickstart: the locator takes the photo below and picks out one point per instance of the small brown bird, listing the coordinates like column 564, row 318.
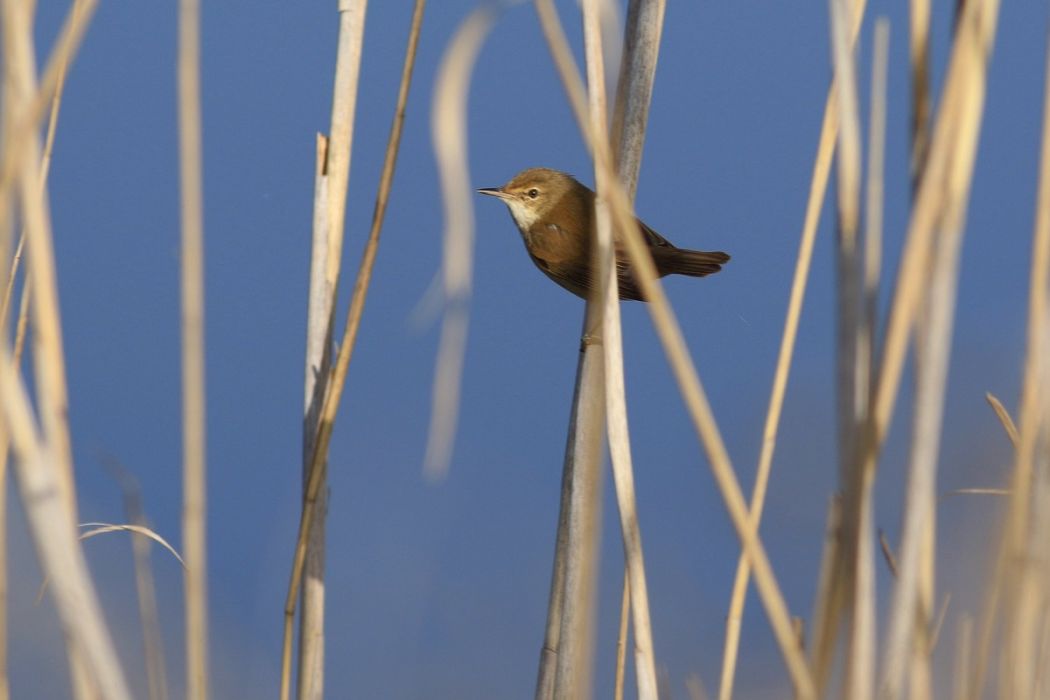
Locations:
column 555, row 215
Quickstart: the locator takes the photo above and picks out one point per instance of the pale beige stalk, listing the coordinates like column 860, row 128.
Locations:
column 707, row 429
column 961, row 675
column 326, row 263
column 803, row 261
column 940, row 205
column 326, row 413
column 1021, row 571
column 919, row 48
column 194, row 480
column 634, row 87
column 66, row 45
column 318, row 366
column 851, row 376
column 907, row 639
column 1004, row 417
column 612, row 345
column 44, row 466
column 621, row 637
column 51, row 528
column 152, row 640
column 568, row 638
column 448, row 131
column 76, row 16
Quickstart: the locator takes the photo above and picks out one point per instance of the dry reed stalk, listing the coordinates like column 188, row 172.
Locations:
column 919, row 48
column 570, row 609
column 45, row 167
column 5, row 449
column 448, row 130
column 919, row 23
column 940, row 204
column 1041, row 689
column 44, row 470
column 1004, row 417
column 830, row 597
column 76, row 18
column 634, row 87
column 926, row 628
column 48, row 360
column 818, row 188
column 386, row 178
column 567, row 645
column 5, row 686
column 578, row 509
column 851, row 375
column 641, row 47
column 874, row 194
column 12, row 278
column 612, row 346
column 685, row 373
column 566, row 662
column 907, row 640
column 695, row 687
column 357, row 302
column 938, row 623
column 872, row 257
column 141, row 530
column 330, row 405
column 152, row 641
column 1021, row 574
column 977, row 492
column 65, row 47
column 700, row 411
column 963, row 656
column 321, row 300
column 324, row 283
column 60, row 555
column 621, row 637
column 194, row 483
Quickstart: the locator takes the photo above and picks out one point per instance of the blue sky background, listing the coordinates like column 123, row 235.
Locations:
column 439, row 590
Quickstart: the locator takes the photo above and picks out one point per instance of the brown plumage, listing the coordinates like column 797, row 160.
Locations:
column 555, row 215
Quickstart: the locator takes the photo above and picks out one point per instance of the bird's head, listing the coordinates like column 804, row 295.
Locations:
column 533, row 194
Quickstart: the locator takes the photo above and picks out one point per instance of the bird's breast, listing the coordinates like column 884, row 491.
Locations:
column 554, row 244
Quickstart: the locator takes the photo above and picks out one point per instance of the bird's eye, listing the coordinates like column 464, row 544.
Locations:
column 533, row 193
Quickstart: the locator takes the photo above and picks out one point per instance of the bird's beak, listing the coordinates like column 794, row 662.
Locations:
column 494, row 191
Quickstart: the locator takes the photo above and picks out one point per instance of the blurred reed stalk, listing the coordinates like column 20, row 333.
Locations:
column 933, row 234
column 194, row 483
column 1017, row 601
column 43, row 464
column 19, row 344
column 909, row 639
column 803, row 262
column 621, row 637
column 919, row 49
column 448, row 130
column 66, row 45
column 145, row 586
column 335, row 381
column 851, row 375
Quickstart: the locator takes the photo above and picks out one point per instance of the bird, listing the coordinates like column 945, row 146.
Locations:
column 554, row 213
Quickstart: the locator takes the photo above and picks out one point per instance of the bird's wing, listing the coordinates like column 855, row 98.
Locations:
column 652, row 237
column 577, row 278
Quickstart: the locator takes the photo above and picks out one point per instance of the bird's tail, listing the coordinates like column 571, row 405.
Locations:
column 695, row 263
